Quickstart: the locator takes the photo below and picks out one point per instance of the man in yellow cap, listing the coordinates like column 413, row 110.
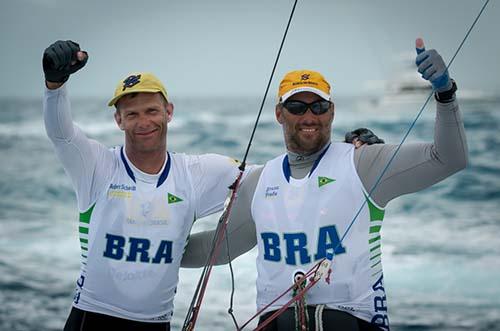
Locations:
column 311, row 204
column 137, row 203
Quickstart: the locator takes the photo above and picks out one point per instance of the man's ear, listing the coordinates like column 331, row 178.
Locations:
column 118, row 119
column 278, row 110
column 170, row 111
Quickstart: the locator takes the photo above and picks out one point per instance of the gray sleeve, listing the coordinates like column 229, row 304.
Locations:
column 87, row 162
column 416, row 165
column 240, row 230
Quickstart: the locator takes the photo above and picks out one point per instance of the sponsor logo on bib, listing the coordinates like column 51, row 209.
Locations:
column 272, row 191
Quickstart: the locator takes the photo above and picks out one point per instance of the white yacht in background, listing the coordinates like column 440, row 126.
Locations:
column 406, row 87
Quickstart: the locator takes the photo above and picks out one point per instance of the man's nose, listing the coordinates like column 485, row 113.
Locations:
column 143, row 120
column 309, row 116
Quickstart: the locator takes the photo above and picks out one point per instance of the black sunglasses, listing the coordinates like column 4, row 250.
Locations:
column 299, row 108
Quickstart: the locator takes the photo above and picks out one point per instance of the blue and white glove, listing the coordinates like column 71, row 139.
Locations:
column 432, row 67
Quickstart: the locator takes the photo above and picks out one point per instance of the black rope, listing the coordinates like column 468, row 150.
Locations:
column 468, row 33
column 243, row 163
column 242, row 166
column 231, row 300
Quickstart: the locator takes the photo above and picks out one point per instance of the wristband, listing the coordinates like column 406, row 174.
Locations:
column 447, row 96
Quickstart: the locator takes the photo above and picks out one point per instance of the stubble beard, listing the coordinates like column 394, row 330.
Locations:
column 303, row 146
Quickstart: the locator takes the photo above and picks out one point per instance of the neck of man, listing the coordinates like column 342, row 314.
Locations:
column 301, row 164
column 150, row 162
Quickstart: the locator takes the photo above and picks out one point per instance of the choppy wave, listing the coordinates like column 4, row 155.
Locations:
column 441, row 248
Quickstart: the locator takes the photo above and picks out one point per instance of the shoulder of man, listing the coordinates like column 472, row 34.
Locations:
column 250, row 181
column 367, row 154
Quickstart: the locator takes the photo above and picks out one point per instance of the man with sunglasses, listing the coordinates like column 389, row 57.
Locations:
column 312, row 203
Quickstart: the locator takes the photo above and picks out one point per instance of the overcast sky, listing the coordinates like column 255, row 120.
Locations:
column 227, row 47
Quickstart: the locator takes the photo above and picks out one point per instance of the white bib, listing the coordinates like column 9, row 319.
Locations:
column 134, row 237
column 300, row 222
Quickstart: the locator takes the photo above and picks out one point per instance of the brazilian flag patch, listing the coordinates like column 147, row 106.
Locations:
column 324, row 180
column 173, row 199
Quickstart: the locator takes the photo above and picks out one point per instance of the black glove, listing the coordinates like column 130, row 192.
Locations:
column 60, row 60
column 364, row 135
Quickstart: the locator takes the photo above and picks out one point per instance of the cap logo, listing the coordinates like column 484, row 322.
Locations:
column 305, row 77
column 131, row 81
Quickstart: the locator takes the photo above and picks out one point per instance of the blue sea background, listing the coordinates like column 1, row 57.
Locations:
column 441, row 246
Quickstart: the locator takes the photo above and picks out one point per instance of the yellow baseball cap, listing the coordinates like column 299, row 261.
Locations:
column 138, row 82
column 303, row 81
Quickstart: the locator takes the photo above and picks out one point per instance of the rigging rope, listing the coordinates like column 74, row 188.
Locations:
column 220, row 233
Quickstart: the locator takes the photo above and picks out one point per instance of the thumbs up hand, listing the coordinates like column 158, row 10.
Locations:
column 432, row 67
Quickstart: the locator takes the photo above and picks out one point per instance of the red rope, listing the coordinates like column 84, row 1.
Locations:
column 295, row 298
column 280, row 311
column 201, row 293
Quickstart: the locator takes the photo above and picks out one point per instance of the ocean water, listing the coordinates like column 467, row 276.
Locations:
column 441, row 246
